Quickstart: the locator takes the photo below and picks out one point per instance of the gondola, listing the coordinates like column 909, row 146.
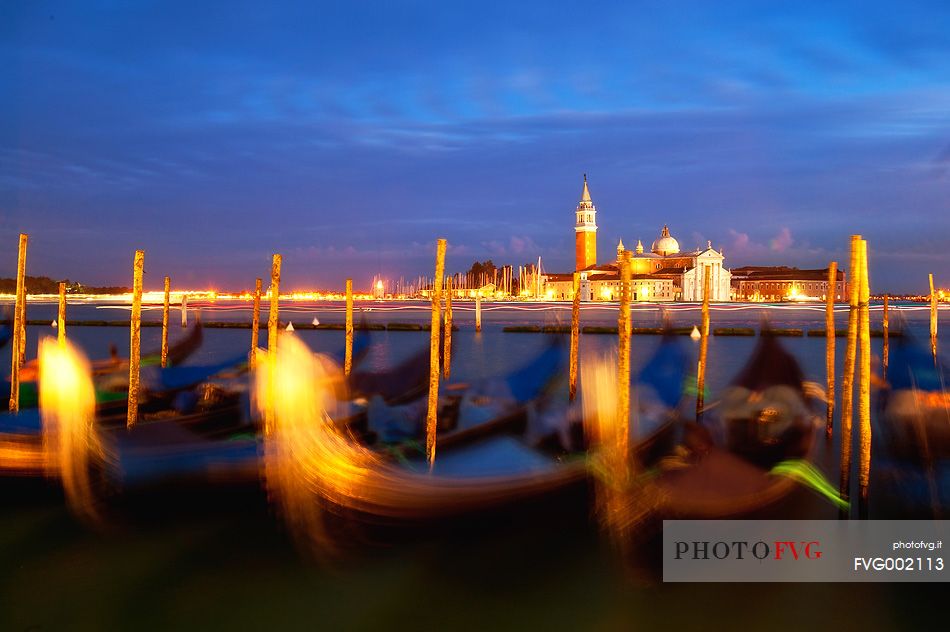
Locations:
column 725, row 468
column 914, row 403
column 911, row 467
column 181, row 396
column 403, row 383
column 495, row 465
column 104, row 370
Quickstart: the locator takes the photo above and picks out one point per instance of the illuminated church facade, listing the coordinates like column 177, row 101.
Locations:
column 664, row 273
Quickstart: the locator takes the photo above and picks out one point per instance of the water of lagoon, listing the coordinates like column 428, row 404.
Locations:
column 493, row 351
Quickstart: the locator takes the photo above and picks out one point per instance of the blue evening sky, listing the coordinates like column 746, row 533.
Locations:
column 350, row 135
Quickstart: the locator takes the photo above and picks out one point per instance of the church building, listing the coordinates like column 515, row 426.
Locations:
column 665, row 273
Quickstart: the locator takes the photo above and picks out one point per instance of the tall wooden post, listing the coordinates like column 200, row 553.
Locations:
column 447, row 348
column 348, row 351
column 478, row 311
column 847, row 380
column 255, row 322
column 135, row 337
column 23, row 300
column 575, row 335
column 184, row 310
column 61, row 317
column 885, row 327
column 273, row 313
column 703, row 346
column 830, row 345
column 168, row 287
column 19, row 333
column 432, row 412
column 933, row 318
column 864, row 384
column 623, row 358
column 273, row 322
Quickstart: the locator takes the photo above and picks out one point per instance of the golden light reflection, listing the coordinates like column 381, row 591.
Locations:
column 608, row 459
column 72, row 445
column 622, row 501
column 313, row 468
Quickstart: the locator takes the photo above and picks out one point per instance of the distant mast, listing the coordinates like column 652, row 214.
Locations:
column 585, row 231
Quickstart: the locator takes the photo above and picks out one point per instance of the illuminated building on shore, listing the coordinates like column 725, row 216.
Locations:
column 781, row 283
column 663, row 274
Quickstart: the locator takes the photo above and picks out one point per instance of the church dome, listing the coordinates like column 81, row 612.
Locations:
column 666, row 244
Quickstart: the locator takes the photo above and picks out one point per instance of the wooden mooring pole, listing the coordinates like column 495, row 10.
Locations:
column 168, row 287
column 19, row 326
column 575, row 335
column 623, row 358
column 703, row 345
column 432, row 412
column 933, row 318
column 273, row 324
column 864, row 385
column 135, row 337
column 348, row 329
column 61, row 316
column 847, row 379
column 447, row 348
column 255, row 322
column 830, row 346
column 885, row 329
column 478, row 312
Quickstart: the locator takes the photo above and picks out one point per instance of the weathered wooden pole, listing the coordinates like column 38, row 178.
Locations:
column 348, row 327
column 830, row 346
column 623, row 359
column 478, row 311
column 255, row 322
column 703, row 345
column 19, row 333
column 933, row 318
column 575, row 335
column 184, row 310
column 864, row 385
column 23, row 300
column 447, row 341
column 432, row 413
column 61, row 317
column 847, row 380
column 21, row 357
column 273, row 322
column 885, row 327
column 273, row 313
column 135, row 337
column 168, row 287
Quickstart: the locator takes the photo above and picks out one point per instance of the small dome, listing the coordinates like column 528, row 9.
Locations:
column 666, row 244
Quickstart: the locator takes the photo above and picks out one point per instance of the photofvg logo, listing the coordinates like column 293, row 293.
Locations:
column 803, row 550
column 743, row 549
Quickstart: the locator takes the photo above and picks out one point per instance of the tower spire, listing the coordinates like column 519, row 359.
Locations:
column 585, row 230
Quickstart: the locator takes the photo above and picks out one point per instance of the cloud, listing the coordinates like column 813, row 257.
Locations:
column 516, row 246
column 740, row 241
column 782, row 241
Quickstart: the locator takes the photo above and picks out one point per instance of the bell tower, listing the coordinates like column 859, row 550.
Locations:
column 585, row 231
